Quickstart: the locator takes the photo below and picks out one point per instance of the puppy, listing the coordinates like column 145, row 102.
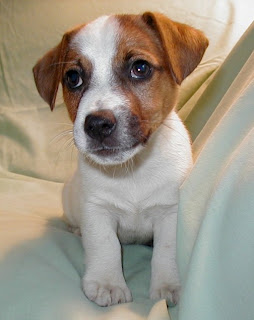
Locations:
column 120, row 76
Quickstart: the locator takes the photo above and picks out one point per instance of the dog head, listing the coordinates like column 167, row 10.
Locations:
column 120, row 76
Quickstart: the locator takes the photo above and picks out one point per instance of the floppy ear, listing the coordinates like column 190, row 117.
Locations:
column 47, row 72
column 184, row 46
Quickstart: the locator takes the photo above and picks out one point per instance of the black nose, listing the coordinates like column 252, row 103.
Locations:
column 100, row 125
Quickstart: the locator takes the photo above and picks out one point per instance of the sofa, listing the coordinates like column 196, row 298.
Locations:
column 41, row 261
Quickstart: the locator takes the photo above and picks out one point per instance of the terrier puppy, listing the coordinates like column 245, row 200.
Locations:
column 120, row 76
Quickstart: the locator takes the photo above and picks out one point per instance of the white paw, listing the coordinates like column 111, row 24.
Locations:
column 106, row 295
column 169, row 292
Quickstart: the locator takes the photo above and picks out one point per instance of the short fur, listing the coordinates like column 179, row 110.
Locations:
column 134, row 151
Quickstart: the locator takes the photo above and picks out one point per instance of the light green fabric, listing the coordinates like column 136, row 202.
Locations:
column 41, row 263
column 216, row 220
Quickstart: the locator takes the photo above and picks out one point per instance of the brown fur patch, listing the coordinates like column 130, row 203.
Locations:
column 75, row 61
column 152, row 99
column 183, row 45
column 50, row 69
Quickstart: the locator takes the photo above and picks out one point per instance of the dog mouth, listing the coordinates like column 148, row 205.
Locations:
column 106, row 155
column 107, row 152
column 117, row 153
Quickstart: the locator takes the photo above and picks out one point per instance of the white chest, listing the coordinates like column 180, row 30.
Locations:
column 135, row 201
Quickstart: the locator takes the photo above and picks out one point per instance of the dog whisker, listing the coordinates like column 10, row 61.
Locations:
column 61, row 135
column 61, row 63
column 90, row 161
column 69, row 143
column 126, row 166
column 64, row 147
column 114, row 172
column 131, row 165
column 64, row 141
column 64, row 123
column 157, row 121
column 178, row 132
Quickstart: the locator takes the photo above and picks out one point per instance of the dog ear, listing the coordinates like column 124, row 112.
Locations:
column 47, row 72
column 184, row 46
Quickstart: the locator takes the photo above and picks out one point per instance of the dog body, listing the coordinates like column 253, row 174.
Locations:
column 137, row 195
column 120, row 78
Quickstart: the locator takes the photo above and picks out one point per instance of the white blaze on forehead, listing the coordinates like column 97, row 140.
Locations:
column 97, row 42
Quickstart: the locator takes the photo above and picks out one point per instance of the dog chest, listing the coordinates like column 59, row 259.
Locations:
column 134, row 206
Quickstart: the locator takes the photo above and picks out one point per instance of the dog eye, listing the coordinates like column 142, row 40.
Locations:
column 140, row 70
column 73, row 79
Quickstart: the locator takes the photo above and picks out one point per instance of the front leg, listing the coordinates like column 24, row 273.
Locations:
column 165, row 281
column 103, row 281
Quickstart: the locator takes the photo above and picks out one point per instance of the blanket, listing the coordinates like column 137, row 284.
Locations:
column 41, row 262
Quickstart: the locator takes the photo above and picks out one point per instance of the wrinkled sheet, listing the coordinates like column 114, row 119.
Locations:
column 216, row 219
column 41, row 263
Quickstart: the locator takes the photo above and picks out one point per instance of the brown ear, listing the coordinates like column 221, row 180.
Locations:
column 47, row 72
column 184, row 46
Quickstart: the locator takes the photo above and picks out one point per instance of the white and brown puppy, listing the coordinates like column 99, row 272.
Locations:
column 120, row 76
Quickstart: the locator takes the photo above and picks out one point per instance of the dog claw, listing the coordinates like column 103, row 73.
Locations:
column 170, row 293
column 106, row 295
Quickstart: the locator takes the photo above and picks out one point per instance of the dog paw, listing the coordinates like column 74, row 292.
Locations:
column 106, row 295
column 169, row 292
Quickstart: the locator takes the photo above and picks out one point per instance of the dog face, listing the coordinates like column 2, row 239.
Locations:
column 120, row 77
